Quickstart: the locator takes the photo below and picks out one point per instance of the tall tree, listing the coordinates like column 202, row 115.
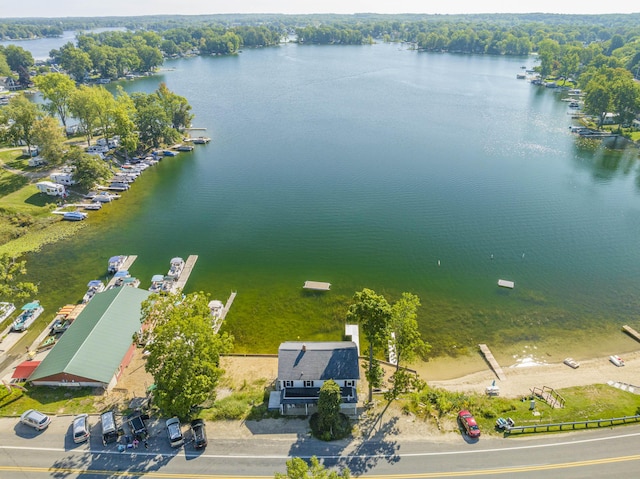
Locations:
column 373, row 313
column 11, row 287
column 298, row 469
column 24, row 114
column 50, row 137
column 83, row 105
column 89, row 169
column 18, row 57
column 57, row 89
column 184, row 354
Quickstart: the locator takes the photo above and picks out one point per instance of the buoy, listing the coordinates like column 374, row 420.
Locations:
column 438, row 262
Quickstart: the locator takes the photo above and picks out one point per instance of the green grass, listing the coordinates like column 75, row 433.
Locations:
column 48, row 400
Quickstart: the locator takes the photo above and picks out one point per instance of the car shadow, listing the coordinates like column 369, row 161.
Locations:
column 27, row 432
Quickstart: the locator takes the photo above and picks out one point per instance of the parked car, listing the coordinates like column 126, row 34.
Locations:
column 81, row 428
column 35, row 419
column 109, row 427
column 469, row 423
column 199, row 433
column 174, row 432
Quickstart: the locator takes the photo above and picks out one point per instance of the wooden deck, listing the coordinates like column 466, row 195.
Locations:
column 492, row 361
column 631, row 332
column 127, row 264
column 186, row 272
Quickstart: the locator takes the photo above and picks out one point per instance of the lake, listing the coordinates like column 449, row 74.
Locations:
column 386, row 168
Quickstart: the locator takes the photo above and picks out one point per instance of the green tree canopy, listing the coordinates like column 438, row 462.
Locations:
column 11, row 287
column 184, row 351
column 57, row 89
column 24, row 114
column 89, row 169
column 298, row 469
column 50, row 137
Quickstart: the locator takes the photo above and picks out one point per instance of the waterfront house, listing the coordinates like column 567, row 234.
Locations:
column 97, row 347
column 303, row 367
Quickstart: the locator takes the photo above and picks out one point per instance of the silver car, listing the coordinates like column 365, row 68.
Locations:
column 174, row 432
column 81, row 428
column 35, row 419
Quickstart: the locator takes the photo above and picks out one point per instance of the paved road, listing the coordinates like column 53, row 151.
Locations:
column 25, row 453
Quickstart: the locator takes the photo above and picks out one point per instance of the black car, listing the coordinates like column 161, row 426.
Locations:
column 199, row 433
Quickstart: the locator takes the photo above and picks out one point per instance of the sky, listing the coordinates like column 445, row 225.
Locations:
column 89, row 8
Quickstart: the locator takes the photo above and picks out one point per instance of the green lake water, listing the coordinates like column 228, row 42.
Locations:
column 381, row 167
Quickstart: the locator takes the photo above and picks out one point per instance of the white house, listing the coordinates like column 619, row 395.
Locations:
column 304, row 367
column 50, row 188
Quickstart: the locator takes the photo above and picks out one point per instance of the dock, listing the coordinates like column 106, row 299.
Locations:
column 492, row 361
column 317, row 285
column 186, row 272
column 223, row 314
column 503, row 283
column 125, row 266
column 631, row 332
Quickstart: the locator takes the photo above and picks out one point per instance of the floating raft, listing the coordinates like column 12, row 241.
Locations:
column 317, row 285
column 503, row 283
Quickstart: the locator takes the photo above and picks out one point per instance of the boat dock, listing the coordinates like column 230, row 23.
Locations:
column 223, row 313
column 631, row 332
column 125, row 266
column 185, row 273
column 492, row 361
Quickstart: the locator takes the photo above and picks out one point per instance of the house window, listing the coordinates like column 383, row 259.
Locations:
column 288, row 384
column 308, row 384
column 349, row 384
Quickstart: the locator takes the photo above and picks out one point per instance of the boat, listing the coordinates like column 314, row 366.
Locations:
column 48, row 343
column 6, row 309
column 177, row 265
column 169, row 153
column 616, row 360
column 574, row 104
column 92, row 206
column 30, row 313
column 74, row 216
column 95, row 286
column 185, row 148
column 115, row 263
column 60, row 325
column 216, row 307
column 572, row 363
column 521, row 76
column 119, row 277
column 201, row 140
column 156, row 283
column 118, row 186
column 131, row 281
column 167, row 285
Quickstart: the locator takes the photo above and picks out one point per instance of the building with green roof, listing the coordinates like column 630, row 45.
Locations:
column 98, row 345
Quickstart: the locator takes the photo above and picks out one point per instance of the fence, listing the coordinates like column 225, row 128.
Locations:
column 550, row 396
column 562, row 426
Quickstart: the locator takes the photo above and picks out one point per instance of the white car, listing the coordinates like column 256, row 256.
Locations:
column 81, row 428
column 35, row 419
column 617, row 360
column 174, row 432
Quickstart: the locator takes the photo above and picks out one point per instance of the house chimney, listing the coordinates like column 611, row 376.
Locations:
column 304, row 347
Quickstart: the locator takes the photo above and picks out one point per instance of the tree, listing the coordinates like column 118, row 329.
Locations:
column 18, row 57
column 123, row 124
column 184, row 353
column 50, row 137
column 24, row 114
column 89, row 169
column 57, row 89
column 177, row 107
column 11, row 288
column 74, row 61
column 373, row 313
column 83, row 105
column 298, row 469
column 405, row 340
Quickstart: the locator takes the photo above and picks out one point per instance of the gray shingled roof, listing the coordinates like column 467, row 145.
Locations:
column 319, row 361
column 95, row 344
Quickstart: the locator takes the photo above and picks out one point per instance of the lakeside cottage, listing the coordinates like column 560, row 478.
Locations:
column 303, row 367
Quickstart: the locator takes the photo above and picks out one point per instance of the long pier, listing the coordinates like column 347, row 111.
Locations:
column 186, row 272
column 492, row 361
column 126, row 265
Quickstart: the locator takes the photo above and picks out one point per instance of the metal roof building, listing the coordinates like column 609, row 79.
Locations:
column 98, row 345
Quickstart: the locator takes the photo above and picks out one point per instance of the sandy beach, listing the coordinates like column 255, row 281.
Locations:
column 519, row 380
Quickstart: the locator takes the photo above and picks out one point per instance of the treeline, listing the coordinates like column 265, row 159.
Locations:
column 16, row 31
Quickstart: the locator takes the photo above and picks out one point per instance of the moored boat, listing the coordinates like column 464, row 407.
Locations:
column 177, row 265
column 156, row 283
column 30, row 313
column 95, row 286
column 92, row 206
column 170, row 153
column 115, row 263
column 6, row 309
column 216, row 307
column 201, row 140
column 74, row 216
column 185, row 148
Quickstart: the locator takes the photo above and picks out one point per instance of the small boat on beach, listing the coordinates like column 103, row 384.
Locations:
column 572, row 363
column 115, row 263
column 616, row 360
column 177, row 265
column 30, row 313
column 95, row 286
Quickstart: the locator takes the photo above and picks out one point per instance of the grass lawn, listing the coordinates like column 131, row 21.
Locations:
column 47, row 400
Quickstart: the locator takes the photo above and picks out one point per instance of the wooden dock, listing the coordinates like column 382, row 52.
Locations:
column 218, row 321
column 631, row 332
column 125, row 266
column 184, row 275
column 492, row 361
column 317, row 285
